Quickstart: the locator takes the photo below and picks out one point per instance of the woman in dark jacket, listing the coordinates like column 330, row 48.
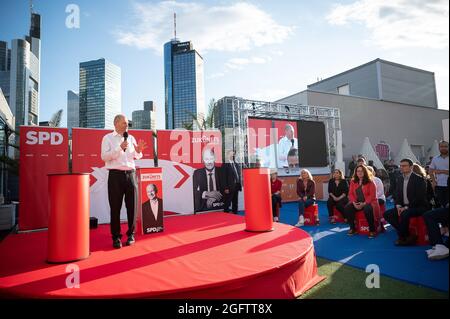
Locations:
column 306, row 190
column 338, row 191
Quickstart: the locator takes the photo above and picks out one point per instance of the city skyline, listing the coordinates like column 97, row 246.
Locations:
column 20, row 73
column 277, row 49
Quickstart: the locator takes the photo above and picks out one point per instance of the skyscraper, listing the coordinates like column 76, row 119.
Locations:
column 100, row 93
column 183, row 83
column 144, row 119
column 20, row 74
column 73, row 111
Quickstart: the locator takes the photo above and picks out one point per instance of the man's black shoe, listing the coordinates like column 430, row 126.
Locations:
column 130, row 240
column 117, row 243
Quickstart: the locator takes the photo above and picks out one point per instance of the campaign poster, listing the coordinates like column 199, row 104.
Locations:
column 192, row 164
column 151, row 191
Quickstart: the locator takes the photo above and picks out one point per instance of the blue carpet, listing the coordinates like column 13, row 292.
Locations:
column 409, row 264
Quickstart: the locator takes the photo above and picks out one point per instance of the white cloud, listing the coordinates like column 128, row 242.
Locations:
column 239, row 63
column 398, row 23
column 216, row 75
column 234, row 28
column 269, row 95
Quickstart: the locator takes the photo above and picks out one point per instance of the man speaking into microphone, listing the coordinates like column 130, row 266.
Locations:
column 119, row 150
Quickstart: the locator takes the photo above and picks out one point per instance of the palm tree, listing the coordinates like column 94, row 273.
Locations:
column 202, row 123
column 55, row 121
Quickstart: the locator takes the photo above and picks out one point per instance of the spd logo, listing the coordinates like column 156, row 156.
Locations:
column 54, row 138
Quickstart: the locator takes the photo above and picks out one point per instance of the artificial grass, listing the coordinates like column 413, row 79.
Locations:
column 345, row 282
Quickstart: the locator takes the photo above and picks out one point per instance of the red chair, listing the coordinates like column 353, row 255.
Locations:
column 311, row 215
column 418, row 227
column 338, row 218
column 362, row 226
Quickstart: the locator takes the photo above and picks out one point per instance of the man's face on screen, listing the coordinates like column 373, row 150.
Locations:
column 151, row 192
column 289, row 132
column 209, row 160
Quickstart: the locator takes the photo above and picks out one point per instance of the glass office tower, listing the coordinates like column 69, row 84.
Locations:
column 73, row 111
column 183, row 83
column 144, row 119
column 100, row 94
column 20, row 74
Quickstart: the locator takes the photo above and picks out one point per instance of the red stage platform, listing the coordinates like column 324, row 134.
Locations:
column 197, row 256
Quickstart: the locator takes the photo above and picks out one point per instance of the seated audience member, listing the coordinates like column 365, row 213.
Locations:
column 306, row 190
column 275, row 189
column 432, row 219
column 380, row 187
column 419, row 170
column 410, row 201
column 362, row 197
column 338, row 191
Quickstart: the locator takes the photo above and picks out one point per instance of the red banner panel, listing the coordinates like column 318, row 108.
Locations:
column 43, row 151
column 180, row 154
column 86, row 158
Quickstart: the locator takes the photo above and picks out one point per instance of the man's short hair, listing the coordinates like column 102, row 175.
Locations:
column 118, row 117
column 443, row 142
column 409, row 161
column 293, row 152
column 289, row 126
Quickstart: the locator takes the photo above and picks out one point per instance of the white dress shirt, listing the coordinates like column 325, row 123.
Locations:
column 380, row 188
column 154, row 205
column 405, row 189
column 284, row 146
column 114, row 156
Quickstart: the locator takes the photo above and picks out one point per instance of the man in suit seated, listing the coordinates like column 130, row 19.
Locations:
column 152, row 211
column 208, row 184
column 410, row 201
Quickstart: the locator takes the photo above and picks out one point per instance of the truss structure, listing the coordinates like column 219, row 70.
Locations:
column 243, row 109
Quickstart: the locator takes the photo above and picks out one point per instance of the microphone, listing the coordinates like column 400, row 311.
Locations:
column 125, row 136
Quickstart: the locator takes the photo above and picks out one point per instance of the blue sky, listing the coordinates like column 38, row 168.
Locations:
column 254, row 49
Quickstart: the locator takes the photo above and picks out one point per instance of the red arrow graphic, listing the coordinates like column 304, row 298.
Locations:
column 185, row 176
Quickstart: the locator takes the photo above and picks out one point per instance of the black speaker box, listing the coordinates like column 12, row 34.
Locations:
column 93, row 223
